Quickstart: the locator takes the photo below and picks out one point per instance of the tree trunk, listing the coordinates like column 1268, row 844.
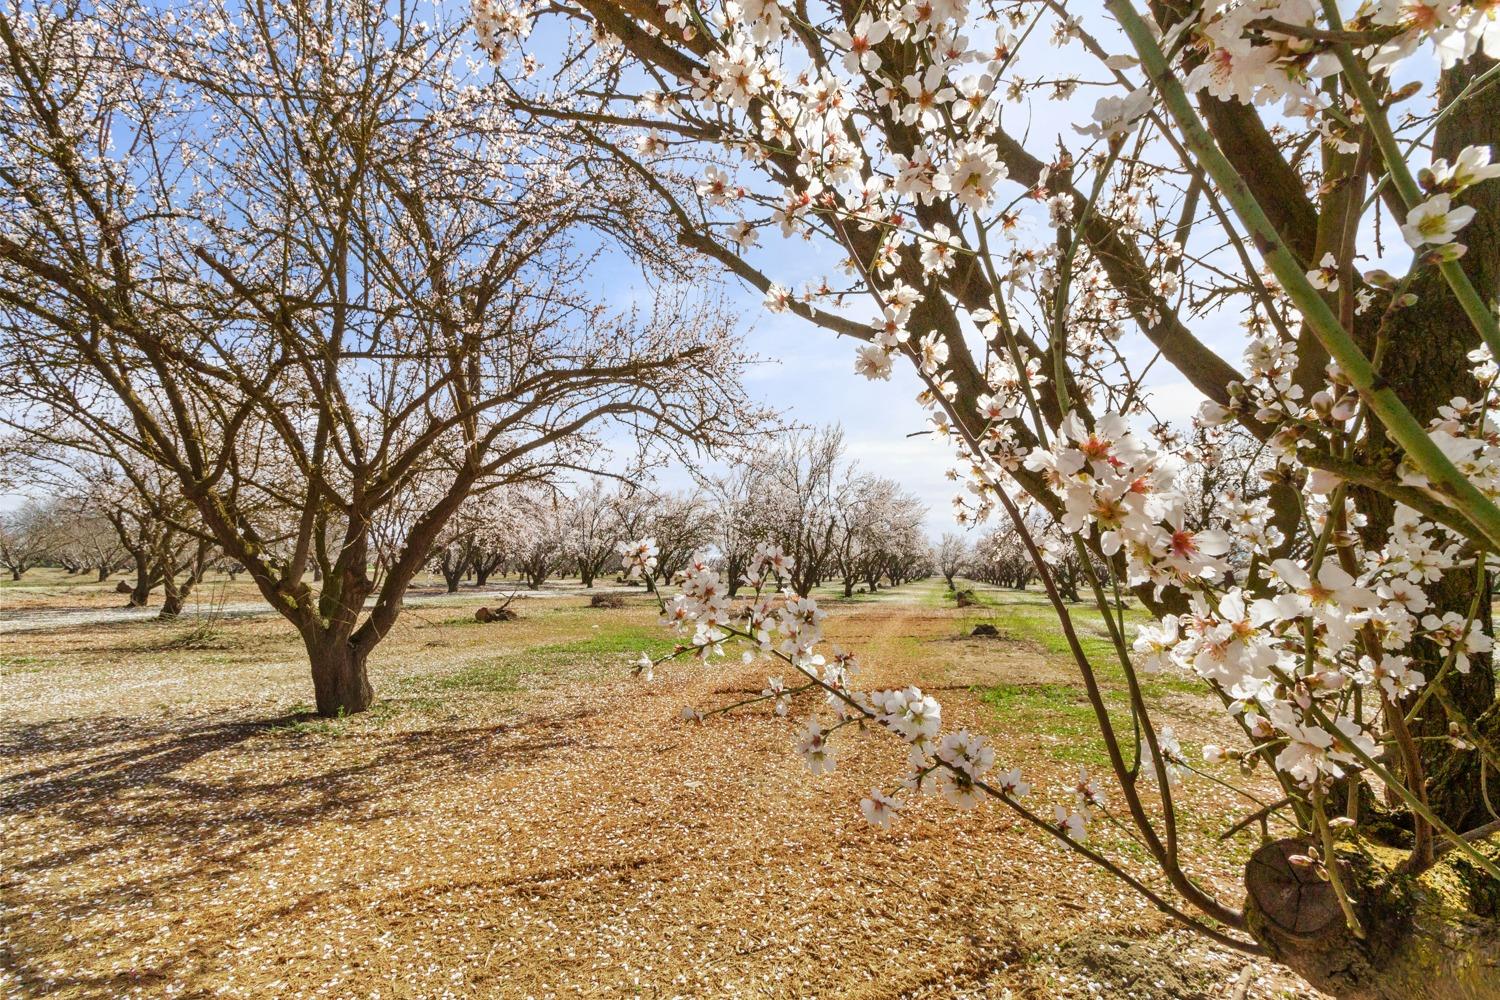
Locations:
column 1434, row 936
column 174, row 596
column 15, row 574
column 341, row 685
column 140, row 594
column 1426, row 364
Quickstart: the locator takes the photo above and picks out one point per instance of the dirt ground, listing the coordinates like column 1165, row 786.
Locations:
column 519, row 818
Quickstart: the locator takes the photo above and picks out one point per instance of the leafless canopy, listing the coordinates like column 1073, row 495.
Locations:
column 293, row 257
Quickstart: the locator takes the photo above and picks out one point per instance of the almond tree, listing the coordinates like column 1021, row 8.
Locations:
column 879, row 526
column 475, row 538
column 682, row 525
column 24, row 536
column 87, row 533
column 121, row 513
column 801, row 482
column 164, row 542
column 1000, row 558
column 294, row 259
column 952, row 556
column 733, row 504
column 1239, row 162
column 593, row 535
column 539, row 522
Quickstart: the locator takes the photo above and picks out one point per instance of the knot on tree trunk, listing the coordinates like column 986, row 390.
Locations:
column 1433, row 936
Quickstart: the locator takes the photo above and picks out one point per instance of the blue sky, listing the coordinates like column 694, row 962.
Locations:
column 808, row 373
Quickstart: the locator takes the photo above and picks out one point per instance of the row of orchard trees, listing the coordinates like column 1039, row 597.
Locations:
column 535, row 533
column 96, row 523
column 838, row 524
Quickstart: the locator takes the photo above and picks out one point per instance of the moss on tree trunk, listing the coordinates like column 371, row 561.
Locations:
column 1433, row 936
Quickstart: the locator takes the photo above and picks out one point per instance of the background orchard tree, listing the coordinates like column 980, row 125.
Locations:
column 25, row 536
column 108, row 510
column 490, row 555
column 952, row 556
column 453, row 554
column 86, row 540
column 846, row 525
column 473, row 541
column 539, row 517
column 800, row 482
column 682, row 525
column 1222, row 465
column 733, row 507
column 162, row 536
column 246, row 239
column 1000, row 558
column 880, row 524
column 1238, row 160
column 162, row 551
column 593, row 532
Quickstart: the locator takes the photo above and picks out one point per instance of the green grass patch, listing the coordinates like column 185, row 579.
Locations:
column 547, row 664
column 22, row 664
column 1028, row 616
column 1060, row 712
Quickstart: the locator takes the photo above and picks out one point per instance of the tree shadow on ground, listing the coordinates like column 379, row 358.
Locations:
column 214, row 794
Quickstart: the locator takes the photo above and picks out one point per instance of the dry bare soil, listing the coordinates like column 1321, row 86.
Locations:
column 518, row 818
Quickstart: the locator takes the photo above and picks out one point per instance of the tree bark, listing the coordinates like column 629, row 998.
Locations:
column 1433, row 936
column 174, row 596
column 140, row 594
column 341, row 684
column 1426, row 363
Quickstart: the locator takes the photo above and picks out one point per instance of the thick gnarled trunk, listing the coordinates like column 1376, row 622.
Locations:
column 1433, row 936
column 341, row 683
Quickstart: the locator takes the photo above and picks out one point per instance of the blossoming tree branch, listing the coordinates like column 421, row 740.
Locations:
column 1034, row 244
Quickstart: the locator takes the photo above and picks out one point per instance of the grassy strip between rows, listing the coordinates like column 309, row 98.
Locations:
column 1058, row 712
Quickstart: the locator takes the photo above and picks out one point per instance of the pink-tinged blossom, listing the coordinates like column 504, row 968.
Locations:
column 879, row 809
column 814, row 749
